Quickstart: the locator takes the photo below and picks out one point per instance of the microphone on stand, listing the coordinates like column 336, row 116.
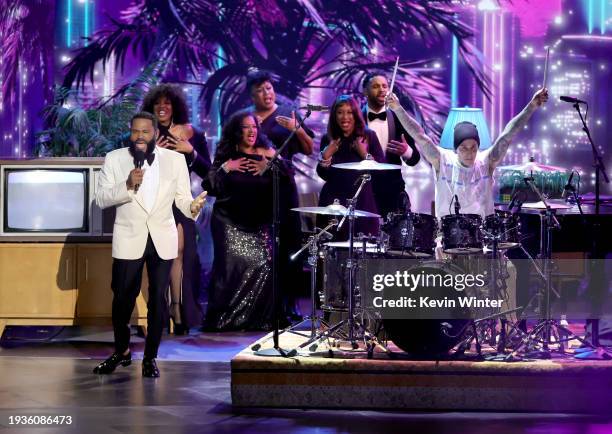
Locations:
column 139, row 158
column 569, row 188
column 457, row 205
column 572, row 100
column 315, row 108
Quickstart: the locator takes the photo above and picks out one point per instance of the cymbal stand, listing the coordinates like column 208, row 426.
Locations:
column 546, row 326
column 315, row 321
column 351, row 264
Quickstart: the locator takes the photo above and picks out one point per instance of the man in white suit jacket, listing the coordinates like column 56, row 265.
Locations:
column 144, row 232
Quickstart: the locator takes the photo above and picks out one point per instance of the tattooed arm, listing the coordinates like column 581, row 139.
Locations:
column 516, row 124
column 424, row 144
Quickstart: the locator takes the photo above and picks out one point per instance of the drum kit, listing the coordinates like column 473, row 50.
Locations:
column 337, row 282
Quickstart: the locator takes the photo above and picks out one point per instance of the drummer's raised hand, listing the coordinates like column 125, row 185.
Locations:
column 539, row 98
column 392, row 101
column 400, row 147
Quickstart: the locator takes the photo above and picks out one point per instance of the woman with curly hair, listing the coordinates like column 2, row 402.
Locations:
column 239, row 296
column 348, row 140
column 167, row 103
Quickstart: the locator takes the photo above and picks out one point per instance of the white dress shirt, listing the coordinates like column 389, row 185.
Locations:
column 150, row 182
column 381, row 128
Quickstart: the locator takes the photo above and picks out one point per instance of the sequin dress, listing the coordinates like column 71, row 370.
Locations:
column 240, row 292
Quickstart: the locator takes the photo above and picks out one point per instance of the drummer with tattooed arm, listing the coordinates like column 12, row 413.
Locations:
column 466, row 171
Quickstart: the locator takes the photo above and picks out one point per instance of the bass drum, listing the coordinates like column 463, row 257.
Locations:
column 426, row 338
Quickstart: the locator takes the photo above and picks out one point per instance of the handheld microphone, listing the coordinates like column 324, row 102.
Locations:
column 139, row 158
column 572, row 100
column 457, row 205
column 568, row 187
column 315, row 108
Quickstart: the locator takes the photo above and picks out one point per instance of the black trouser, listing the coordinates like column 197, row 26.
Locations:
column 126, row 281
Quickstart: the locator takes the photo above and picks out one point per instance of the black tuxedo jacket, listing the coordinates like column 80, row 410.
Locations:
column 388, row 184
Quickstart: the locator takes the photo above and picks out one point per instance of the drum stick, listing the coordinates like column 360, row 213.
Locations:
column 545, row 79
column 393, row 76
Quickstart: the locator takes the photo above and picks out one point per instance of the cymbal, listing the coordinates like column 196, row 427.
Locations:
column 553, row 204
column 334, row 209
column 367, row 165
column 532, row 166
column 357, row 245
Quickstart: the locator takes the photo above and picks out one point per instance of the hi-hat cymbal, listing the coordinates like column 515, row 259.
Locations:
column 532, row 166
column 367, row 165
column 334, row 209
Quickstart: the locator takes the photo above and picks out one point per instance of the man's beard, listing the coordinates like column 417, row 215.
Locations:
column 148, row 151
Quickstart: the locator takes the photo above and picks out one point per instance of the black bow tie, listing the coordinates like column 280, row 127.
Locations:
column 149, row 157
column 382, row 116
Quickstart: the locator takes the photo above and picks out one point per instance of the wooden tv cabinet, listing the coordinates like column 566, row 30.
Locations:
column 59, row 283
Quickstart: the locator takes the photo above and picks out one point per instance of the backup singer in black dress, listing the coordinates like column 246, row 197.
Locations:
column 277, row 122
column 348, row 140
column 241, row 285
column 167, row 103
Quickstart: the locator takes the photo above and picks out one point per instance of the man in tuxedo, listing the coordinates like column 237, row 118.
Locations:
column 144, row 232
column 395, row 141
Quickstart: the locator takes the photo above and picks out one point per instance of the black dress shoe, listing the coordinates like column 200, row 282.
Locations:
column 110, row 364
column 149, row 368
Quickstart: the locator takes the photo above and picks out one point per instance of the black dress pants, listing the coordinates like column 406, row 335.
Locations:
column 126, row 281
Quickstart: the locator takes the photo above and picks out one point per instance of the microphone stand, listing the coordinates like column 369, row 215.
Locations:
column 600, row 169
column 273, row 165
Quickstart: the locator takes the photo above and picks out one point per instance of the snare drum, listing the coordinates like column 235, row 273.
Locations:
column 461, row 233
column 411, row 233
column 505, row 226
column 332, row 274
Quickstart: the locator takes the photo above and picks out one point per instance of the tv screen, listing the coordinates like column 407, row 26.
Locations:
column 45, row 200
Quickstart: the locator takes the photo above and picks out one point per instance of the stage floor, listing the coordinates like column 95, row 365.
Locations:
column 193, row 394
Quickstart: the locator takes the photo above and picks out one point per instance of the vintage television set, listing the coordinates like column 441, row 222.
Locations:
column 52, row 198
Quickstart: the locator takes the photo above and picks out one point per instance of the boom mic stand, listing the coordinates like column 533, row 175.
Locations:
column 274, row 166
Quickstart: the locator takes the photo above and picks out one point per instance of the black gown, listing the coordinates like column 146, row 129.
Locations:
column 342, row 184
column 198, row 162
column 240, row 291
column 290, row 227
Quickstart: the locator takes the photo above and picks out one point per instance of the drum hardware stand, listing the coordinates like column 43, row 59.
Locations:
column 274, row 166
column 600, row 170
column 547, row 326
column 351, row 322
column 467, row 342
column 313, row 250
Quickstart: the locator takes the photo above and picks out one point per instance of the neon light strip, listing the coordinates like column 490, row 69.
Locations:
column 602, row 16
column 454, row 73
column 590, row 15
column 485, row 34
column 86, row 21
column 500, row 72
column 68, row 23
